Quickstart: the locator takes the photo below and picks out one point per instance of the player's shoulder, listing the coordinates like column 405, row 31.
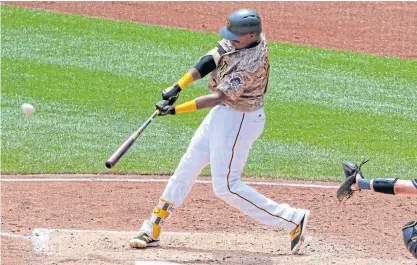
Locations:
column 220, row 49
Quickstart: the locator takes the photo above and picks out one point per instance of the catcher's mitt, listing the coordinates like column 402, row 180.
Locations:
column 345, row 191
column 410, row 237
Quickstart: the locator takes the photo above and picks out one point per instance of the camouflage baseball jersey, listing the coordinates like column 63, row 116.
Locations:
column 241, row 74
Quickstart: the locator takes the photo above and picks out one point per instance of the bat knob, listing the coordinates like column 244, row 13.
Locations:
column 109, row 165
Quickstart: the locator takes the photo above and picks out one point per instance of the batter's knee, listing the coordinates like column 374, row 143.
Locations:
column 220, row 188
column 223, row 188
column 410, row 237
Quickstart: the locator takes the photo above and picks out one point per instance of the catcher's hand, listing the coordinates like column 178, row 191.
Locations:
column 350, row 169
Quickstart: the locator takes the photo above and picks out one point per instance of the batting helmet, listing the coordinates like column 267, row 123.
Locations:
column 410, row 237
column 240, row 23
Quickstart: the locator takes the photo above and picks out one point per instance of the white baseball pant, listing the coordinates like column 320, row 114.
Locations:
column 223, row 140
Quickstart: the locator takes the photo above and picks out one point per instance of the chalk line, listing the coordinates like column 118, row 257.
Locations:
column 299, row 185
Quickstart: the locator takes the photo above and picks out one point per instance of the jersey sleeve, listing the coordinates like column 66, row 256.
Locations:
column 210, row 61
column 233, row 84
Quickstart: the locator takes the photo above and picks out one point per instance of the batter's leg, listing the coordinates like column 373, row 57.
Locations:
column 179, row 185
column 228, row 155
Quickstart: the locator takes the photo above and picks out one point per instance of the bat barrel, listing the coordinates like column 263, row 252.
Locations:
column 128, row 143
column 109, row 164
column 114, row 158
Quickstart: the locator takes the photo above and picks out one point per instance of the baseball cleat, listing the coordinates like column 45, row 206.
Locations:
column 143, row 241
column 297, row 235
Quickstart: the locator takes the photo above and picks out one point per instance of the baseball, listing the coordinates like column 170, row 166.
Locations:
column 27, row 109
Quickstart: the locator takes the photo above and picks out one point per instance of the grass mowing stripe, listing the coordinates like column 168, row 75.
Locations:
column 370, row 84
column 76, row 130
column 123, row 47
column 93, row 81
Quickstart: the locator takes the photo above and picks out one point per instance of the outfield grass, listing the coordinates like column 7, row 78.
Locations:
column 94, row 81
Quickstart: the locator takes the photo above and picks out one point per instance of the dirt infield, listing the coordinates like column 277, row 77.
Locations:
column 82, row 220
column 351, row 233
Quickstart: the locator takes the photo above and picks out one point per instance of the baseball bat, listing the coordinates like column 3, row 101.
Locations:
column 115, row 157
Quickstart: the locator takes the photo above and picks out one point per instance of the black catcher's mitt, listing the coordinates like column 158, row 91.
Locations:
column 345, row 191
column 410, row 237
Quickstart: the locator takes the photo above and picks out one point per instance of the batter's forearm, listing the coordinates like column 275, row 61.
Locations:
column 192, row 75
column 208, row 101
column 202, row 102
column 186, row 80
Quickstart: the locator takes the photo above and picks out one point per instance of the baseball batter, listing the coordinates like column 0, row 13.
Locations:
column 239, row 71
column 355, row 182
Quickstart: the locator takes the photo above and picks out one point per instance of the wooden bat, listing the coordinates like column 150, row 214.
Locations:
column 115, row 157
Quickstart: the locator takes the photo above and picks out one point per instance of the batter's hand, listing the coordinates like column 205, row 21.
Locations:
column 171, row 94
column 164, row 108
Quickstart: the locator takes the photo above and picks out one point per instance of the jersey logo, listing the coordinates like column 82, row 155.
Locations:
column 235, row 81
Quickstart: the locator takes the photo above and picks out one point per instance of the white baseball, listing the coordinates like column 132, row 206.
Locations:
column 27, row 109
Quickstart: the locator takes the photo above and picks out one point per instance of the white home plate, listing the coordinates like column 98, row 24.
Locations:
column 155, row 263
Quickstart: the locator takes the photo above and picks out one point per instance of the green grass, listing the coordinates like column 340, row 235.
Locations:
column 94, row 81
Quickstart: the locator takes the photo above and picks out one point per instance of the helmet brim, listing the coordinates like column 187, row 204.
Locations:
column 229, row 35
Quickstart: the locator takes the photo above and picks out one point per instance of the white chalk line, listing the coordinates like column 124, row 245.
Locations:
column 298, row 185
column 15, row 236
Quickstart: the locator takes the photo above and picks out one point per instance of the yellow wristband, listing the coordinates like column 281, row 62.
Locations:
column 186, row 107
column 186, row 80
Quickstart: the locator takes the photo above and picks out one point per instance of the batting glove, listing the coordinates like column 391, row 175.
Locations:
column 171, row 94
